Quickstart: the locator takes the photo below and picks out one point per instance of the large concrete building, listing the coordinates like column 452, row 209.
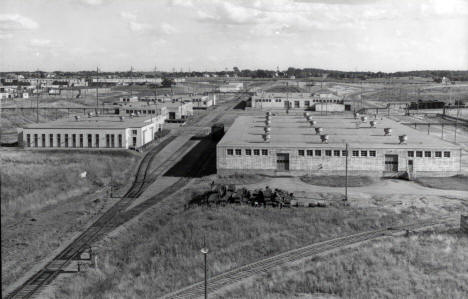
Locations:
column 293, row 147
column 103, row 132
column 300, row 100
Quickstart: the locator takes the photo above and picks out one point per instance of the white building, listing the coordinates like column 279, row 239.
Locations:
column 231, row 87
column 103, row 132
column 126, row 81
column 299, row 100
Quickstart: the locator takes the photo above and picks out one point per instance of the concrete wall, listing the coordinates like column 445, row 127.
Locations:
column 300, row 165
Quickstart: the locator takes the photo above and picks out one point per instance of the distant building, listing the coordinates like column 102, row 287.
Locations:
column 300, row 100
column 126, row 81
column 93, row 132
column 231, row 87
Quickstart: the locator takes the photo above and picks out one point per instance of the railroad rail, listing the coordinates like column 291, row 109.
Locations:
column 235, row 275
column 103, row 224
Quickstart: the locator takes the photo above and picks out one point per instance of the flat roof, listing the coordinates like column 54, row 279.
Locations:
column 295, row 131
column 95, row 122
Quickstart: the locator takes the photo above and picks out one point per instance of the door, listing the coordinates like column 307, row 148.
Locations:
column 391, row 163
column 410, row 165
column 282, row 162
column 171, row 115
column 286, row 104
column 296, row 104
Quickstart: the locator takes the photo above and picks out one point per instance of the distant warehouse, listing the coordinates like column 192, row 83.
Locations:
column 103, row 132
column 285, row 144
column 300, row 100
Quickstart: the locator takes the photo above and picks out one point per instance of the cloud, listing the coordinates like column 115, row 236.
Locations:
column 92, row 2
column 140, row 27
column 14, row 22
column 40, row 42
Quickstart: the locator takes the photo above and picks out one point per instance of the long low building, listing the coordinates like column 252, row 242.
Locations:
column 292, row 146
column 300, row 100
column 103, row 132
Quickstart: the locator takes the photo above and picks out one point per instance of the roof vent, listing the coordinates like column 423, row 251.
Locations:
column 324, row 138
column 90, row 114
column 373, row 123
column 356, row 115
column 266, row 137
column 268, row 113
column 388, row 131
column 122, row 118
column 318, row 130
column 77, row 118
column 267, row 130
column 268, row 122
column 312, row 123
column 364, row 119
column 306, row 114
column 403, row 139
column 309, row 117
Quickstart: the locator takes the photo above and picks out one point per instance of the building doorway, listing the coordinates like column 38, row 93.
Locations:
column 391, row 163
column 282, row 162
column 410, row 166
column 286, row 104
column 171, row 115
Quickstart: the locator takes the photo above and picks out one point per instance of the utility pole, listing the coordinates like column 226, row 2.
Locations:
column 346, row 185
column 97, row 89
column 204, row 250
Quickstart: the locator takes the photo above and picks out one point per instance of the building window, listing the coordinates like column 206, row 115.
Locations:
column 66, row 140
column 363, row 153
column 344, row 153
column 59, row 140
column 318, row 153
column 73, row 140
column 120, row 140
column 427, row 154
column 112, row 140
column 97, row 140
column 300, row 152
column 438, row 154
column 336, row 153
column 372, row 153
column 328, row 152
column 134, row 141
column 108, row 140
column 419, row 154
column 310, row 152
column 307, row 103
column 28, row 140
column 248, row 152
column 81, row 140
column 35, row 140
column 43, row 140
column 446, row 154
column 264, row 152
column 256, row 152
column 411, row 154
column 90, row 140
column 134, row 132
column 230, row 152
column 238, row 152
column 51, row 140
column 355, row 153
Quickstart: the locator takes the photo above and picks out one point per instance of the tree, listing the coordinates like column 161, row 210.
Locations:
column 235, row 69
column 166, row 82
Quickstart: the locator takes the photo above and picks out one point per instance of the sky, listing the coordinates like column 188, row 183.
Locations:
column 209, row 35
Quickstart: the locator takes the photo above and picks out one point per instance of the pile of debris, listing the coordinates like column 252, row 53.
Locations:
column 221, row 194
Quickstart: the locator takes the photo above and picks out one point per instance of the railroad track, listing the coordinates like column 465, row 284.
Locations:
column 102, row 225
column 235, row 275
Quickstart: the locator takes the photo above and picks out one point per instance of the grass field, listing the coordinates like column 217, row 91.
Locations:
column 159, row 252
column 425, row 265
column 45, row 200
column 458, row 182
column 339, row 181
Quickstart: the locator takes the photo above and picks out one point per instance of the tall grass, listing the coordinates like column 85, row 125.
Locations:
column 423, row 266
column 161, row 251
column 32, row 180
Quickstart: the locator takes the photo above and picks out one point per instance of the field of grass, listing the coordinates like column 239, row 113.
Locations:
column 160, row 251
column 45, row 200
column 457, row 182
column 339, row 181
column 426, row 265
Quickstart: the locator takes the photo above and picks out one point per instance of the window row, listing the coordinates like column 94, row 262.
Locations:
column 306, row 103
column 247, row 152
column 335, row 153
column 428, row 154
column 72, row 140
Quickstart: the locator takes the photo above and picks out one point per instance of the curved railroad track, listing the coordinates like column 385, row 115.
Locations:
column 235, row 275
